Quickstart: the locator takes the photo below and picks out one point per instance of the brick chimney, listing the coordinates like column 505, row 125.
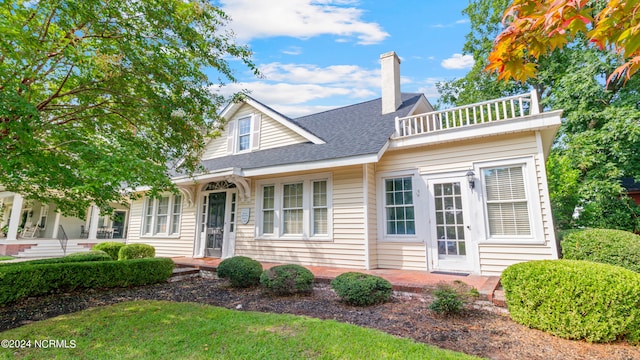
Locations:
column 391, row 97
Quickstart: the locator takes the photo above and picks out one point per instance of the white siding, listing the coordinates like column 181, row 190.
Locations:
column 181, row 245
column 460, row 156
column 346, row 249
column 273, row 134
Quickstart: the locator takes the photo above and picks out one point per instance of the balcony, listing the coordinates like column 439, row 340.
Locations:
column 511, row 107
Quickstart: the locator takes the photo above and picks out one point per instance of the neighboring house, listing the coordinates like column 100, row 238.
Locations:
column 633, row 188
column 388, row 183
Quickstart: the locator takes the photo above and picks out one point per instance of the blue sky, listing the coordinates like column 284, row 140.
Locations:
column 321, row 54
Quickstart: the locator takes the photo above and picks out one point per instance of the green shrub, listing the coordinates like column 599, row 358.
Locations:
column 25, row 280
column 450, row 299
column 575, row 299
column 75, row 257
column 110, row 247
column 615, row 247
column 360, row 289
column 287, row 279
column 240, row 270
column 136, row 251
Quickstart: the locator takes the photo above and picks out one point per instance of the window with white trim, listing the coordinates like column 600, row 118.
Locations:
column 294, row 208
column 162, row 215
column 506, row 201
column 244, row 134
column 398, row 206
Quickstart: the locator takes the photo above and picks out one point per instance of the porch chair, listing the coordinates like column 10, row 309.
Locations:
column 29, row 231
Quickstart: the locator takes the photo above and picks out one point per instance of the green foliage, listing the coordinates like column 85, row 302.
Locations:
column 97, row 94
column 76, row 257
column 600, row 134
column 615, row 247
column 287, row 279
column 360, row 289
column 240, row 270
column 450, row 299
column 575, row 299
column 26, row 280
column 136, row 251
column 110, row 247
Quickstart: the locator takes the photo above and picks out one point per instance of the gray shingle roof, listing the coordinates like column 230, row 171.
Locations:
column 349, row 131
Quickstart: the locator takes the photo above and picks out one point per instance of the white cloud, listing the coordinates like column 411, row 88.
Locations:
column 457, row 22
column 458, row 61
column 293, row 50
column 301, row 19
column 346, row 75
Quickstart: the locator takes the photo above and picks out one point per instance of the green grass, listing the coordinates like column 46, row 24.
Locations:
column 2, row 257
column 169, row 330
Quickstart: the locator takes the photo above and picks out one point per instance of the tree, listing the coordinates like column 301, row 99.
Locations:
column 536, row 28
column 600, row 134
column 100, row 97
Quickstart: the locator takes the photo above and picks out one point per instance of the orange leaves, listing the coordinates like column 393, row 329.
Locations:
column 537, row 27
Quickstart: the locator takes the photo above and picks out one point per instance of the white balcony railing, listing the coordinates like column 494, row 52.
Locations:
column 510, row 107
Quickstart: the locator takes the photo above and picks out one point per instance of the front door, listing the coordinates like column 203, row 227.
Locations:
column 215, row 224
column 118, row 224
column 450, row 248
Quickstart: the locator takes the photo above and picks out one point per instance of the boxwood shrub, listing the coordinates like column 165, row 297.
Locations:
column 136, row 251
column 75, row 257
column 25, row 280
column 615, row 247
column 241, row 271
column 575, row 299
column 110, row 247
column 360, row 289
column 287, row 279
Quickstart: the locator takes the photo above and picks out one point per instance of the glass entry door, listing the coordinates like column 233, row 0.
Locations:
column 215, row 223
column 450, row 248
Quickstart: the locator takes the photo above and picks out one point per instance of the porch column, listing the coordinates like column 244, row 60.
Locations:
column 56, row 225
column 93, row 223
column 14, row 221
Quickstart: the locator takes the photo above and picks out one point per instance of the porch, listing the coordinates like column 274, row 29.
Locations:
column 47, row 247
column 402, row 280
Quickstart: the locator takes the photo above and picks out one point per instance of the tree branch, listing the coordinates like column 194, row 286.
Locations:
column 57, row 93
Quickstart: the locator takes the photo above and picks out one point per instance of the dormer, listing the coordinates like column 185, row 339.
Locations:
column 252, row 126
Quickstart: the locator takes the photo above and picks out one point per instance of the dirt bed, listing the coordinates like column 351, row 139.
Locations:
column 482, row 330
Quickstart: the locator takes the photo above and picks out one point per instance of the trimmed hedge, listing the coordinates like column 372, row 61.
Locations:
column 136, row 251
column 615, row 247
column 110, row 247
column 287, row 279
column 360, row 289
column 76, row 257
column 575, row 299
column 37, row 279
column 241, row 271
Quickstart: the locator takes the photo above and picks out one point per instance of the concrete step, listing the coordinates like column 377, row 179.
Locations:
column 181, row 273
column 50, row 251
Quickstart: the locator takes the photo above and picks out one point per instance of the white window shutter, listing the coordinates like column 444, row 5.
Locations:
column 255, row 136
column 231, row 134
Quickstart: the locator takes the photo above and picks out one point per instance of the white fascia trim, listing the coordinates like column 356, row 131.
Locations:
column 314, row 165
column 210, row 175
column 277, row 117
column 546, row 121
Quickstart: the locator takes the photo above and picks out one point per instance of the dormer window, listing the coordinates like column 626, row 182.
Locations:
column 244, row 134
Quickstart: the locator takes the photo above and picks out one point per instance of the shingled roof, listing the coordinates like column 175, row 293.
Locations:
column 350, row 131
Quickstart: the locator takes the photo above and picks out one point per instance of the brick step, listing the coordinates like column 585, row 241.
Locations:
column 181, row 273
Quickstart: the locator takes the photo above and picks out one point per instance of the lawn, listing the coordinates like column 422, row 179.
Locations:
column 171, row 330
column 2, row 257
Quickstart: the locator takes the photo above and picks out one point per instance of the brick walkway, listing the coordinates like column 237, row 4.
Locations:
column 402, row 280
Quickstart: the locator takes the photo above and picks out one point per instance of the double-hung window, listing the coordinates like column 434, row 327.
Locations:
column 244, row 134
column 162, row 215
column 295, row 208
column 506, row 202
column 398, row 206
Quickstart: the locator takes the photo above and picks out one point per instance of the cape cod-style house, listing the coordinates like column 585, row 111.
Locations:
column 387, row 183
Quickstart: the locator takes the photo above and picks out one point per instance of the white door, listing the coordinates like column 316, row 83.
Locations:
column 218, row 223
column 450, row 247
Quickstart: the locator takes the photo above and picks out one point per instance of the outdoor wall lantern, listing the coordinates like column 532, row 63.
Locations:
column 471, row 178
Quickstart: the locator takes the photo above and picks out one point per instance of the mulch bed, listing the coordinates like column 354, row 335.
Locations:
column 482, row 330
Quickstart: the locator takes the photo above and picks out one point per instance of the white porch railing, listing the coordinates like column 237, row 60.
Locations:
column 463, row 116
